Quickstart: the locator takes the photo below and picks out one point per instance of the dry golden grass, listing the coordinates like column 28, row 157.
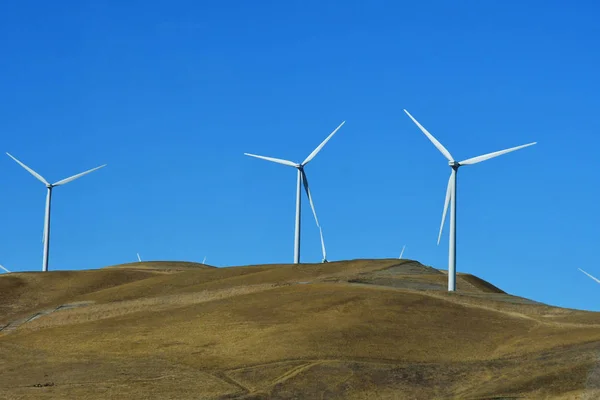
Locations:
column 360, row 329
column 22, row 292
column 162, row 266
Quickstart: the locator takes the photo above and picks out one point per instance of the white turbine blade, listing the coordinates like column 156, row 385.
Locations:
column 484, row 157
column 204, row 261
column 32, row 172
column 72, row 178
column 318, row 149
column 435, row 142
column 1, row 267
column 275, row 160
column 446, row 202
column 307, row 189
column 312, row 206
column 402, row 252
column 139, row 259
column 597, row 280
column 322, row 244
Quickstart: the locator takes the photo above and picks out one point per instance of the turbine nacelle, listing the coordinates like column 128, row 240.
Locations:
column 454, row 164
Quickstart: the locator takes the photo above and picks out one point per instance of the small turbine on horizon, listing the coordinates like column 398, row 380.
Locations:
column 139, row 258
column 597, row 280
column 451, row 194
column 302, row 180
column 402, row 252
column 46, row 234
column 4, row 269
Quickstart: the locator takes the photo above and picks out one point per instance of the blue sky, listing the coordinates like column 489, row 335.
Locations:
column 171, row 94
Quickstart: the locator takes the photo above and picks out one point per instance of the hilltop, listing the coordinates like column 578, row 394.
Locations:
column 359, row 329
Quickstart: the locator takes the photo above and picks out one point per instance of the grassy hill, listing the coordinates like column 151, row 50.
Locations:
column 360, row 329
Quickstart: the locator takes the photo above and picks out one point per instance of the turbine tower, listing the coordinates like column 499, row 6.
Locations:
column 50, row 186
column 302, row 180
column 451, row 194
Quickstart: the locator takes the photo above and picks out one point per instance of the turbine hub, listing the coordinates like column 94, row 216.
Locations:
column 454, row 164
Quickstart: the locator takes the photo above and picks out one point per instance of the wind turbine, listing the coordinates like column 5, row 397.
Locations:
column 4, row 269
column 402, row 252
column 303, row 180
column 451, row 194
column 46, row 235
column 597, row 280
column 139, row 259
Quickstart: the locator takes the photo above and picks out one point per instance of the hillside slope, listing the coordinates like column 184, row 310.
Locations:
column 360, row 329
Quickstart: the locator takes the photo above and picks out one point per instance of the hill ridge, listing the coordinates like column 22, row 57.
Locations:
column 363, row 328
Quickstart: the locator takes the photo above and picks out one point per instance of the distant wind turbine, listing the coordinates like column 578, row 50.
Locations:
column 4, row 269
column 204, row 261
column 46, row 235
column 597, row 280
column 139, row 259
column 402, row 252
column 302, row 180
column 451, row 194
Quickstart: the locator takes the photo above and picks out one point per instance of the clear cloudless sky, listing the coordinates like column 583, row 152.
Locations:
column 170, row 94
